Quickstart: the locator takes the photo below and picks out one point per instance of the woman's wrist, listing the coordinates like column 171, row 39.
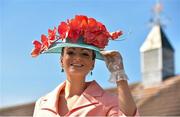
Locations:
column 117, row 76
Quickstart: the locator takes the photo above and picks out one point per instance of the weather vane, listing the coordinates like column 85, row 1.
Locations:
column 157, row 11
column 157, row 15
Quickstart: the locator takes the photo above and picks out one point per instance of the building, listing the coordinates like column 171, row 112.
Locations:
column 157, row 57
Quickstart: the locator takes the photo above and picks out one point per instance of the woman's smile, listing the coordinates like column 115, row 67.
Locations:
column 77, row 65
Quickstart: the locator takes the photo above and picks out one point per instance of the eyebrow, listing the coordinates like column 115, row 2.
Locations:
column 81, row 48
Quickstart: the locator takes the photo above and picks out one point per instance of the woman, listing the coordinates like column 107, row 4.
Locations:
column 82, row 41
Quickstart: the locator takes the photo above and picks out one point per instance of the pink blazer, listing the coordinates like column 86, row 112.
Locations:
column 94, row 101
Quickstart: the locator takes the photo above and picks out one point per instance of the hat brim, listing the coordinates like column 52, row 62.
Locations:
column 57, row 48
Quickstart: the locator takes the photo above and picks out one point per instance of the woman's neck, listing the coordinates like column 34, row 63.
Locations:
column 74, row 86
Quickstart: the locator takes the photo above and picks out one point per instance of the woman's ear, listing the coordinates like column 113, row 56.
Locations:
column 61, row 61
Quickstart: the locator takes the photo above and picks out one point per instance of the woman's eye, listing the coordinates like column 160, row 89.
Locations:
column 85, row 54
column 70, row 53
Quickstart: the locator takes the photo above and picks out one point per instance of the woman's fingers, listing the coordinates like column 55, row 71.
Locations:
column 111, row 54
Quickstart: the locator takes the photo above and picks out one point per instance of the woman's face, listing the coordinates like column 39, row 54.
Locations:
column 77, row 61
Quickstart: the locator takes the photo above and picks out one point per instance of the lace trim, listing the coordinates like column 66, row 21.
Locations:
column 117, row 76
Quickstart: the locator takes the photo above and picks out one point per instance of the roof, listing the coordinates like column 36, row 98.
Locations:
column 162, row 100
column 18, row 110
column 156, row 39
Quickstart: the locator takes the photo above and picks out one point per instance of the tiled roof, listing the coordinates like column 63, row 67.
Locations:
column 20, row 110
column 161, row 100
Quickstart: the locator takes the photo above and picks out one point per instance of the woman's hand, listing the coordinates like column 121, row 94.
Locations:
column 114, row 64
column 113, row 60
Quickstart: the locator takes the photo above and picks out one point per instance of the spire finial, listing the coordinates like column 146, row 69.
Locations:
column 157, row 14
column 157, row 9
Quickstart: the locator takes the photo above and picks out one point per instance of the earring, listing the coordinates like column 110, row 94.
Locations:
column 91, row 73
column 62, row 70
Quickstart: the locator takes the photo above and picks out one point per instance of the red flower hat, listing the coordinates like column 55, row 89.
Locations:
column 81, row 30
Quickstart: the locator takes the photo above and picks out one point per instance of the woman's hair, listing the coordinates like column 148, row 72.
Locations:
column 93, row 54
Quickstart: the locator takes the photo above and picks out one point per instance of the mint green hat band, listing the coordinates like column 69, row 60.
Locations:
column 57, row 47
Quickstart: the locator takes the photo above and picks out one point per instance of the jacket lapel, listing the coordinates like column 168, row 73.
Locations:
column 88, row 97
column 50, row 101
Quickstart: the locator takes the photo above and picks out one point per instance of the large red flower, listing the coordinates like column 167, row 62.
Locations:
column 63, row 29
column 82, row 21
column 96, row 34
column 75, row 30
column 101, row 40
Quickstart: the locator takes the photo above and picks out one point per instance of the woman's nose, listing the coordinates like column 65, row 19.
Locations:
column 77, row 57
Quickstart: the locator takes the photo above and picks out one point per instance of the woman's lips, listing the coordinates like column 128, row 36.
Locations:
column 77, row 65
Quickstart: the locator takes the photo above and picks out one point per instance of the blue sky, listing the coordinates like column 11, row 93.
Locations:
column 24, row 79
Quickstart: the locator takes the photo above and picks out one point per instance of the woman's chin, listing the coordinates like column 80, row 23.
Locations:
column 77, row 72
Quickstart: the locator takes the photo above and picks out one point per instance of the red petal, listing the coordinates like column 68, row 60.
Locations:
column 75, row 30
column 44, row 41
column 102, row 40
column 101, row 26
column 92, row 24
column 115, row 35
column 37, row 44
column 74, row 24
column 63, row 29
column 36, row 51
column 52, row 34
column 81, row 17
column 89, row 37
column 83, row 20
column 74, row 35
